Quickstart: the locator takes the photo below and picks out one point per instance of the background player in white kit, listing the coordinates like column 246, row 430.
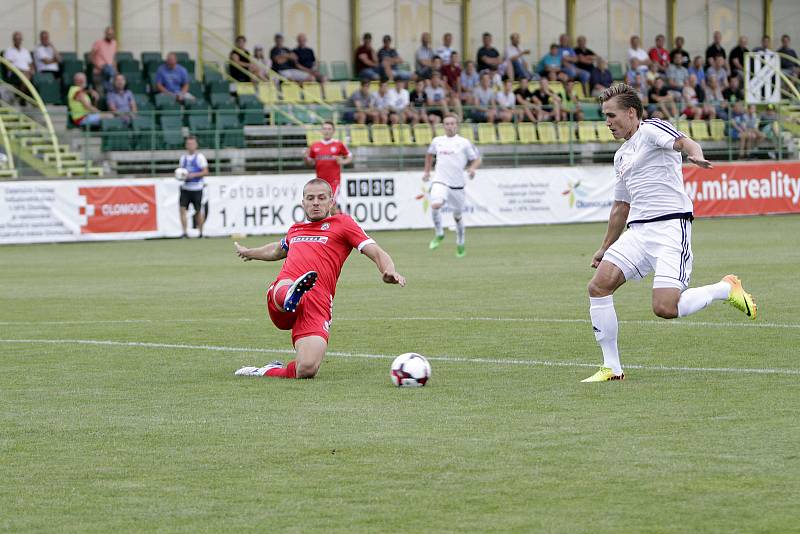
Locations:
column 649, row 196
column 453, row 153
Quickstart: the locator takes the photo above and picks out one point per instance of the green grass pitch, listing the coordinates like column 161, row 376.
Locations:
column 153, row 431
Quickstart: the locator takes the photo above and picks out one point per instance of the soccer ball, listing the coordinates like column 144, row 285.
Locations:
column 410, row 370
column 181, row 173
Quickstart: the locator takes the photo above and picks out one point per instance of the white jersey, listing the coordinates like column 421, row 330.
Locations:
column 193, row 163
column 649, row 173
column 452, row 156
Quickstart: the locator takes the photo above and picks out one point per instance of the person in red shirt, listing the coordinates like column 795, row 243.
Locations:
column 301, row 298
column 328, row 157
column 659, row 55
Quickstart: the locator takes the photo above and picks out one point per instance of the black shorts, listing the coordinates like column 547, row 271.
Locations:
column 195, row 198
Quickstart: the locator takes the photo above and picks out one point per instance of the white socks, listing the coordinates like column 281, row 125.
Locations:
column 459, row 230
column 695, row 299
column 437, row 222
column 604, row 324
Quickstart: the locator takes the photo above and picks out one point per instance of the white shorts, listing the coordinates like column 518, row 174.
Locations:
column 664, row 247
column 453, row 198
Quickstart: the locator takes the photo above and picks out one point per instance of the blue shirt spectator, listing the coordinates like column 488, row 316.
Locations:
column 120, row 100
column 173, row 79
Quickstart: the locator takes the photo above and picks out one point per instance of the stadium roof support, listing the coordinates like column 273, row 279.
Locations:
column 570, row 19
column 466, row 13
column 355, row 23
column 767, row 17
column 672, row 20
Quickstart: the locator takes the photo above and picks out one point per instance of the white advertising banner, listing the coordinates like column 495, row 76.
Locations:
column 84, row 210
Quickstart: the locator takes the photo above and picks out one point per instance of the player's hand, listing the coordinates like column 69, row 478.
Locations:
column 702, row 163
column 393, row 277
column 426, row 177
column 471, row 173
column 242, row 251
column 598, row 257
column 339, row 160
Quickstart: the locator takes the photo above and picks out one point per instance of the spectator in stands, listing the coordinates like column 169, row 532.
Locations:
column 679, row 51
column 715, row 50
column 718, row 70
column 745, row 128
column 488, row 58
column 390, row 61
column 260, row 65
column 733, row 92
column 452, row 72
column 120, row 101
column 662, row 104
column 284, row 62
column 446, row 50
column 382, row 102
column 692, row 100
column 524, row 103
column 698, row 69
column 485, row 102
column 659, row 56
column 766, row 44
column 550, row 64
column 467, row 82
column 81, row 103
column 418, row 98
column 547, row 103
column 789, row 67
column 21, row 58
column 736, row 58
column 46, row 56
column 638, row 53
column 436, row 99
column 103, row 59
column 586, row 59
column 569, row 59
column 712, row 92
column 423, row 58
column 173, row 79
column 769, row 123
column 362, row 106
column 516, row 57
column 636, row 77
column 601, row 78
column 366, row 60
column 400, row 111
column 239, row 60
column 192, row 186
column 306, row 60
column 677, row 74
column 570, row 103
column 506, row 101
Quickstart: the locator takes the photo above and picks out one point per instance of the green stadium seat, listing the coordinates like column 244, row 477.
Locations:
column 127, row 65
column 163, row 100
column 200, row 126
column 322, row 68
column 68, row 69
column 151, row 67
column 487, row 135
column 423, row 135
column 252, row 111
column 120, row 56
column 717, row 129
column 189, row 66
column 547, row 132
column 617, row 72
column 402, row 135
column 359, row 135
column 340, row 71
column 700, row 130
column 218, row 86
column 527, row 132
column 181, row 56
column 115, row 135
column 216, row 99
column 136, row 86
column 381, row 135
column 587, row 132
column 210, row 74
column 506, row 133
column 68, row 55
column 171, row 132
column 196, row 89
column 48, row 87
column 591, row 112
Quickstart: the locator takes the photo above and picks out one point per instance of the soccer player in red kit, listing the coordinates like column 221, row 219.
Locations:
column 328, row 157
column 301, row 298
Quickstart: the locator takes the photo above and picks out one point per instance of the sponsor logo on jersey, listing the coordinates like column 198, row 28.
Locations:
column 309, row 239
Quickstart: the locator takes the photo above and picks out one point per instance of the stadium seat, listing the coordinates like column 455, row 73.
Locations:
column 323, row 69
column 196, row 89
column 467, row 132
column 189, row 66
column 402, row 135
column 68, row 55
column 567, row 132
column 115, row 135
column 267, row 93
column 700, row 130
column 129, row 67
column 438, row 130
column 147, row 57
column 615, row 68
column 312, row 135
column 527, row 132
column 252, row 111
column 171, row 132
column 587, row 132
column 290, row 93
column 137, row 86
column 122, row 56
column 682, row 125
column 68, row 69
column 381, row 135
column 339, row 71
column 245, row 88
column 182, row 56
column 359, row 135
column 717, row 129
column 591, row 111
column 422, row 134
column 604, row 135
column 200, row 126
column 333, row 92
column 350, row 87
column 227, row 121
column 487, row 135
column 547, row 132
column 312, row 92
column 210, row 74
column 216, row 99
column 164, row 100
column 48, row 87
column 506, row 133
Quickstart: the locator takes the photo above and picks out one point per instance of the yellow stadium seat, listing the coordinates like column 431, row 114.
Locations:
column 567, row 131
column 700, row 130
column 359, row 135
column 245, row 88
column 313, row 135
column 312, row 92
column 683, row 126
column 381, row 136
column 438, row 130
column 506, row 133
column 333, row 92
column 587, row 132
column 351, row 87
column 604, row 135
column 267, row 93
column 422, row 134
column 717, row 129
column 290, row 93
column 467, row 132
column 402, row 135
column 547, row 132
column 374, row 85
column 487, row 135
column 527, row 132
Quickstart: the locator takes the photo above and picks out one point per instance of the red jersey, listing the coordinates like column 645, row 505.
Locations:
column 322, row 246
column 660, row 56
column 325, row 154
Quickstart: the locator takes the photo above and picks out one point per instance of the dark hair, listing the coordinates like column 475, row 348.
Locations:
column 486, row 34
column 367, row 36
column 329, row 122
column 242, row 37
column 626, row 96
column 190, row 138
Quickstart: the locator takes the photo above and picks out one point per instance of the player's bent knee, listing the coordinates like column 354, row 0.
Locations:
column 665, row 310
column 597, row 289
column 307, row 370
column 436, row 205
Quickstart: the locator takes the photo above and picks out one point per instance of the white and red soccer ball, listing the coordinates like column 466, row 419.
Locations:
column 410, row 370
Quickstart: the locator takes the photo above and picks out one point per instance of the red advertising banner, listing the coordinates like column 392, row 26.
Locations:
column 744, row 188
column 117, row 209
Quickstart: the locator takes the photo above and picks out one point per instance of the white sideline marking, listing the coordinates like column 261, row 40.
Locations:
column 456, row 359
column 726, row 324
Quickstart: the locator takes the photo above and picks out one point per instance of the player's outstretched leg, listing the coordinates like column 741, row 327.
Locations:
column 728, row 289
column 310, row 353
column 258, row 371
column 604, row 320
column 436, row 213
column 295, row 291
column 460, row 230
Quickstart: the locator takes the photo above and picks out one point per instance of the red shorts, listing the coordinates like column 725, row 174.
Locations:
column 312, row 318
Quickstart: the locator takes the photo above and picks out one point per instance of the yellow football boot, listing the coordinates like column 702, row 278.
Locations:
column 739, row 298
column 604, row 375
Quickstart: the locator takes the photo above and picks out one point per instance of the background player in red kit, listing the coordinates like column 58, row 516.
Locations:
column 328, row 157
column 301, row 298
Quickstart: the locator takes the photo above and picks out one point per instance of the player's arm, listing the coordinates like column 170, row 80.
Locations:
column 198, row 174
column 345, row 160
column 309, row 161
column 385, row 264
column 473, row 166
column 269, row 252
column 694, row 151
column 428, row 165
column 616, row 225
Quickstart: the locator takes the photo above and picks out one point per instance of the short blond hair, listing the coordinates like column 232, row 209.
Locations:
column 626, row 96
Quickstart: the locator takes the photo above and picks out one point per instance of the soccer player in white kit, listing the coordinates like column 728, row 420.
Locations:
column 649, row 198
column 453, row 153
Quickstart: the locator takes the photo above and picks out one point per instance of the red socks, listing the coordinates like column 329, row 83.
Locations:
column 290, row 371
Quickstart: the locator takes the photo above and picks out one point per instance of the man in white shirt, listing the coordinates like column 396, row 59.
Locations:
column 193, row 167
column 516, row 56
column 453, row 154
column 22, row 59
column 46, row 56
column 399, row 104
column 446, row 50
column 649, row 198
column 638, row 53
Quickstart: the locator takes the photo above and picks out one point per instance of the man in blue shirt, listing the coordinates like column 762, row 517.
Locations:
column 173, row 79
column 120, row 101
column 306, row 60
